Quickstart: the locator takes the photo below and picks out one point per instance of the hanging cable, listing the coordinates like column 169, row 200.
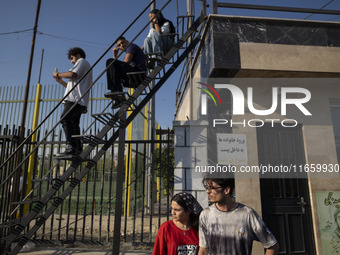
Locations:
column 17, row 32
column 71, row 39
column 320, row 9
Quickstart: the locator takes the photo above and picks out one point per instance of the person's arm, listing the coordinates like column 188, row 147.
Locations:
column 59, row 77
column 128, row 58
column 203, row 251
column 59, row 80
column 264, row 235
column 202, row 235
column 160, row 244
column 157, row 27
column 272, row 250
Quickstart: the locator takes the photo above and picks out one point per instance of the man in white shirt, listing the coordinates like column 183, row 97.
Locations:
column 228, row 227
column 78, row 85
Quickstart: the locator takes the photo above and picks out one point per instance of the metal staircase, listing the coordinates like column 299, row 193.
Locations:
column 20, row 230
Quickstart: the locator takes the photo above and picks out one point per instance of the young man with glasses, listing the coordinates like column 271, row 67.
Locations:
column 228, row 227
column 134, row 61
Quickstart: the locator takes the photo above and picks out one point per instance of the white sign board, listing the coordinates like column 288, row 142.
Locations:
column 231, row 149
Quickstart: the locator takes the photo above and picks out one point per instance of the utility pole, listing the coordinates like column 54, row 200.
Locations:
column 16, row 176
column 35, row 29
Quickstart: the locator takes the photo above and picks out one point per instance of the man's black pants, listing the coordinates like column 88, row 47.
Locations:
column 116, row 73
column 70, row 124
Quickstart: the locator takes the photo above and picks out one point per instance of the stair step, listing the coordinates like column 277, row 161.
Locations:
column 65, row 157
column 116, row 95
column 104, row 118
column 31, row 201
column 136, row 79
column 44, row 180
column 87, row 138
column 11, row 223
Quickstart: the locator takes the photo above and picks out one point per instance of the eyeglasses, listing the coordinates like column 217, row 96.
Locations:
column 212, row 187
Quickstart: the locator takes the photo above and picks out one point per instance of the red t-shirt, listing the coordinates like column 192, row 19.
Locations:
column 172, row 240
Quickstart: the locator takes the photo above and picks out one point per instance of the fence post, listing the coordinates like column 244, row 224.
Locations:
column 214, row 6
column 119, row 188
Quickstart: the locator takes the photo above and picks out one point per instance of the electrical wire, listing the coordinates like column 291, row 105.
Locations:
column 320, row 9
column 71, row 39
column 83, row 42
column 17, row 32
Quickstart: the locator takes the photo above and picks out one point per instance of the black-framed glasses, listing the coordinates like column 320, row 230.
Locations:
column 207, row 187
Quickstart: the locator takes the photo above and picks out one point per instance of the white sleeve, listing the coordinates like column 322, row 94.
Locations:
column 166, row 28
column 79, row 68
column 263, row 234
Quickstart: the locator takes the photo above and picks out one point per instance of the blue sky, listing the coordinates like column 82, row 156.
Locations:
column 93, row 26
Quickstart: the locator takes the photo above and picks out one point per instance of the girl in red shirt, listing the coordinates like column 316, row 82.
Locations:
column 179, row 235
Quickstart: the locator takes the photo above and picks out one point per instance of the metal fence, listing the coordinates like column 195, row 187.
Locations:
column 86, row 215
column 87, row 212
column 12, row 98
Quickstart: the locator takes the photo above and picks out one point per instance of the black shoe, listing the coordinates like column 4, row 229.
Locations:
column 151, row 63
column 69, row 152
column 117, row 104
column 79, row 148
column 65, row 155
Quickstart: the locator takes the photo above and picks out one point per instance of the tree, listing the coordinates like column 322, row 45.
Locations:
column 164, row 166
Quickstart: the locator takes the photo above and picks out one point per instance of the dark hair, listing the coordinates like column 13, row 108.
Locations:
column 158, row 13
column 193, row 217
column 121, row 38
column 223, row 182
column 75, row 51
column 162, row 20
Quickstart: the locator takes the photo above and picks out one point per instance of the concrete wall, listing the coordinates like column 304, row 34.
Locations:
column 244, row 47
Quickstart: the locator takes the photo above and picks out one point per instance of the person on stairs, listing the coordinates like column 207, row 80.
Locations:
column 134, row 61
column 160, row 38
column 70, row 121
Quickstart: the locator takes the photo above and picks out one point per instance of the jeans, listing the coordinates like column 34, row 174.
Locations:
column 156, row 43
column 70, row 124
column 116, row 73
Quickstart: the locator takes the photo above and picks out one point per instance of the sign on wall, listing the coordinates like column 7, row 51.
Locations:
column 328, row 203
column 231, row 149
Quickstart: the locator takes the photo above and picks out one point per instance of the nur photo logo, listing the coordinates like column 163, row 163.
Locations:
column 280, row 98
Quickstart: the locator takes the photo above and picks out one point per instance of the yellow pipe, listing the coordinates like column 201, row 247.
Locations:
column 34, row 138
column 128, row 165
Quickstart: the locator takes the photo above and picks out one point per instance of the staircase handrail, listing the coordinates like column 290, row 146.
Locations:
column 60, row 102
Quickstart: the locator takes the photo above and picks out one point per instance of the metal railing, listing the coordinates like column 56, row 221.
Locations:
column 93, row 199
column 216, row 4
column 86, row 214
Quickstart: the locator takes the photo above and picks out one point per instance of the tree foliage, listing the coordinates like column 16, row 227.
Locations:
column 164, row 161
